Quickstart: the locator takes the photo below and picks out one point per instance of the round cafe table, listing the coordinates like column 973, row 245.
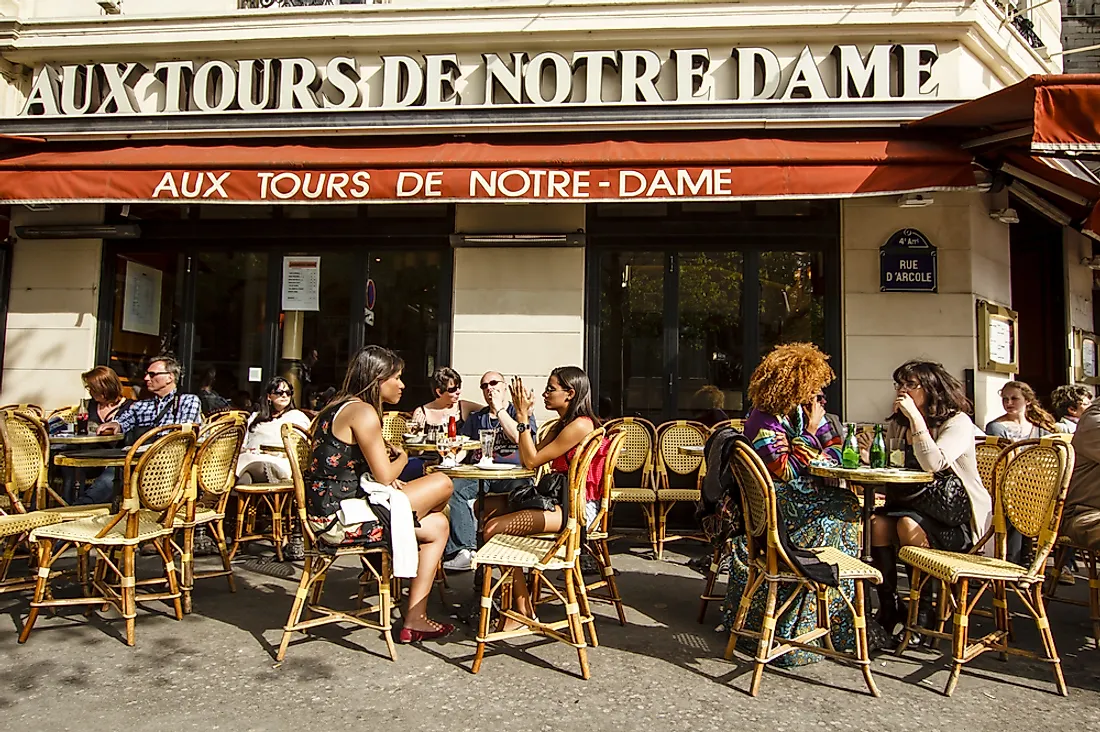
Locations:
column 80, row 440
column 482, row 476
column 106, row 458
column 870, row 478
column 416, row 447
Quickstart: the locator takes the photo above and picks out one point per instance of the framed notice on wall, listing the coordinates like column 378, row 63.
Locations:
column 301, row 283
column 998, row 341
column 141, row 299
column 1086, row 369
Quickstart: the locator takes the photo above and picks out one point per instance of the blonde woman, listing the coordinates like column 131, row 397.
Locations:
column 1024, row 416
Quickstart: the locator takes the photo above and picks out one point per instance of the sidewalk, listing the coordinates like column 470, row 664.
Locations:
column 663, row 671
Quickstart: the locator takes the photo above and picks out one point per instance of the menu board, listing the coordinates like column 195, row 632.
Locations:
column 301, row 283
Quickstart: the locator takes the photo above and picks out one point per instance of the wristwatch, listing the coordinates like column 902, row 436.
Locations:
column 521, row 427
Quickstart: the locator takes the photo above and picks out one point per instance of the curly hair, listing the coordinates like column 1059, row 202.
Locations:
column 1034, row 412
column 1065, row 398
column 789, row 377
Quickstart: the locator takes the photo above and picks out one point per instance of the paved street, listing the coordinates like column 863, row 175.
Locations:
column 215, row 670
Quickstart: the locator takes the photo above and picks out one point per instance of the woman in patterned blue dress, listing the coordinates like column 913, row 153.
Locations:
column 788, row 429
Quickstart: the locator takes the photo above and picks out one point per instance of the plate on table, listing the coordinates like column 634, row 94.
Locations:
column 412, row 439
column 495, row 466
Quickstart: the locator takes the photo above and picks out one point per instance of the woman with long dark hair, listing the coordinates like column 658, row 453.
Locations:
column 264, row 429
column 524, row 512
column 348, row 444
column 930, row 417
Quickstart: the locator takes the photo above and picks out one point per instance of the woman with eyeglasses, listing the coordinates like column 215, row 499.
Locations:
column 265, row 430
column 1024, row 416
column 538, row 509
column 930, row 418
column 788, row 428
column 447, row 387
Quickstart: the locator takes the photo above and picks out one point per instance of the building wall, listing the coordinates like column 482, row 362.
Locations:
column 519, row 311
column 1081, row 28
column 883, row 330
column 52, row 311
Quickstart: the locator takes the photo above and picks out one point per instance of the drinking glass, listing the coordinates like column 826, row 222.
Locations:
column 488, row 439
column 442, row 446
column 896, row 445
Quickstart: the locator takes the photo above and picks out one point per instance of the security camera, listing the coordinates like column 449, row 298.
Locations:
column 915, row 200
column 1005, row 216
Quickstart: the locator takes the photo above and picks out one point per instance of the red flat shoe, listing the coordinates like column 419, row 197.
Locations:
column 408, row 635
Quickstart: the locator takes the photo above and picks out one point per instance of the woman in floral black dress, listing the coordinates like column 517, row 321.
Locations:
column 348, row 444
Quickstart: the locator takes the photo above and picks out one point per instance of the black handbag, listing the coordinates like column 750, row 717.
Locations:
column 943, row 500
column 546, row 495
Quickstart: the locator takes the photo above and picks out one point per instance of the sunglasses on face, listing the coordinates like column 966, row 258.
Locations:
column 819, row 398
column 281, row 392
column 491, row 384
column 155, row 374
column 452, row 389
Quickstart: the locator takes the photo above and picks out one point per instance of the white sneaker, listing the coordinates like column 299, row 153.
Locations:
column 461, row 562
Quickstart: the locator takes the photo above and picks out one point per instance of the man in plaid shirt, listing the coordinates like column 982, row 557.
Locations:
column 168, row 406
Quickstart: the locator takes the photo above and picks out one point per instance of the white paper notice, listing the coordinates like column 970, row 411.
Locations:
column 141, row 299
column 301, row 283
column 1000, row 340
column 255, row 373
column 1088, row 357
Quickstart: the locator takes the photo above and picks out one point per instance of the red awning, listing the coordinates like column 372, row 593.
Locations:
column 369, row 170
column 1058, row 114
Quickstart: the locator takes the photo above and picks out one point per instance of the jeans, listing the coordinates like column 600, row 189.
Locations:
column 102, row 489
column 463, row 524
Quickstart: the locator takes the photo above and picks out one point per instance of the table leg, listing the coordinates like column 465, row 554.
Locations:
column 868, row 512
column 480, row 540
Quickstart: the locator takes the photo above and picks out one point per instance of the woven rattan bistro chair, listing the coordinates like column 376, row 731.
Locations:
column 394, row 425
column 634, row 475
column 671, row 436
column 155, row 477
column 1030, row 479
column 737, row 424
column 769, row 565
column 32, row 409
column 595, row 542
column 987, row 450
column 376, row 562
column 536, row 556
column 214, row 473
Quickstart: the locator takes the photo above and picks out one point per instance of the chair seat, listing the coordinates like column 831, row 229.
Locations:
column 633, row 495
column 259, row 488
column 520, row 551
column 849, row 567
column 17, row 523
column 75, row 513
column 679, row 494
column 203, row 515
column 84, row 531
column 952, row 566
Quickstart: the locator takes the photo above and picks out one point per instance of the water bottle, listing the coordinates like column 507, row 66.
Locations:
column 849, row 455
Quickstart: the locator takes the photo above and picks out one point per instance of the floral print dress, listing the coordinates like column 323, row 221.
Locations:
column 815, row 515
column 333, row 476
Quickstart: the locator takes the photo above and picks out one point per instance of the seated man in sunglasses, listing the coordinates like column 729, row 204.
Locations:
column 459, row 553
column 167, row 406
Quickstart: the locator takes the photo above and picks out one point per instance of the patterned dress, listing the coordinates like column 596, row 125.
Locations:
column 815, row 515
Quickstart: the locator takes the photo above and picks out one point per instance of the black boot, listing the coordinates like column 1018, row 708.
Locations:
column 890, row 613
column 926, row 616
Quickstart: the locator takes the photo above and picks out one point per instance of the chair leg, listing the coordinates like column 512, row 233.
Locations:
column 1001, row 617
column 129, row 592
column 9, row 544
column 277, row 525
column 243, row 506
column 863, row 648
column 609, row 577
column 217, row 528
column 187, row 566
column 915, row 583
column 1043, row 623
column 576, row 627
column 708, row 587
column 1094, row 597
column 662, row 514
column 165, row 549
column 961, row 636
column 483, row 617
column 742, row 609
column 385, row 604
column 41, row 584
column 585, row 606
column 296, row 607
column 767, row 634
column 650, row 511
column 824, row 620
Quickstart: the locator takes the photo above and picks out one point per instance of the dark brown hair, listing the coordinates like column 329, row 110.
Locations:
column 442, row 378
column 366, row 372
column 573, row 378
column 1065, row 398
column 944, row 396
column 104, row 381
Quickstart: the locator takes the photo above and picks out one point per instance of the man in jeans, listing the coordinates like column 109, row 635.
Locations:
column 461, row 544
column 1081, row 517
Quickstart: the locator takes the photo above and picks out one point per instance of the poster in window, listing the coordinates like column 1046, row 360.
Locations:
column 1087, row 368
column 141, row 299
column 301, row 283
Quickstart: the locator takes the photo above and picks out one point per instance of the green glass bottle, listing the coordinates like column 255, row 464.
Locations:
column 878, row 449
column 849, row 455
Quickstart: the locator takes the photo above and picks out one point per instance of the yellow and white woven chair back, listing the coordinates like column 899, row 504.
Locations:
column 156, row 476
column 544, row 430
column 394, row 425
column 228, row 414
column 1031, row 489
column 32, row 409
column 737, row 424
column 986, row 451
column 65, row 414
column 617, row 436
column 25, row 450
column 216, row 459
column 299, row 450
column 637, row 450
column 671, row 436
column 757, row 490
column 579, row 469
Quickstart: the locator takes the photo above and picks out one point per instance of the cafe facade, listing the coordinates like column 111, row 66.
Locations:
column 660, row 192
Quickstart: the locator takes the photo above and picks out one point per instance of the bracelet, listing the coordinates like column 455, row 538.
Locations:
column 918, row 433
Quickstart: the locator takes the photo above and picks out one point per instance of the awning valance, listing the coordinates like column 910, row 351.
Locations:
column 372, row 170
column 1057, row 114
